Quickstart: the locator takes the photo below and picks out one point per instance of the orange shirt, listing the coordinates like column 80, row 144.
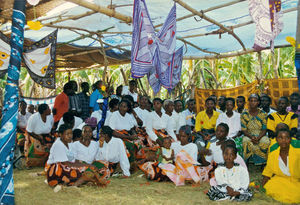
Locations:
column 61, row 104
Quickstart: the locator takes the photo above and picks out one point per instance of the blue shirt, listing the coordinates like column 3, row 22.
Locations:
column 96, row 95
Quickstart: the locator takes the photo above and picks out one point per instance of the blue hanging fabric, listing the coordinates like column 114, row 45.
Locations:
column 10, row 108
column 101, row 122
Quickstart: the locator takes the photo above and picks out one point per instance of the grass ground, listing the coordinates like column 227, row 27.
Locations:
column 134, row 190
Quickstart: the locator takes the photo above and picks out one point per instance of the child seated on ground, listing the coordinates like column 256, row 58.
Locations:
column 165, row 153
column 232, row 179
column 281, row 176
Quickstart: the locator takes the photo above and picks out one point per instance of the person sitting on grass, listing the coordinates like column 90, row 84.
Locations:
column 232, row 179
column 113, row 150
column 85, row 151
column 61, row 167
column 281, row 176
column 165, row 153
column 205, row 124
column 186, row 166
column 282, row 116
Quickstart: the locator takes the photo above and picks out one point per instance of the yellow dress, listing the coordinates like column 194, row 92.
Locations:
column 281, row 187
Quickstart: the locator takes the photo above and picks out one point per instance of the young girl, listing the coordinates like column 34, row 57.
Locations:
column 165, row 153
column 281, row 176
column 232, row 179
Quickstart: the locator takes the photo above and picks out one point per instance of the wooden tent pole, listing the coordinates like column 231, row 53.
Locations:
column 202, row 15
column 103, row 10
column 191, row 44
column 232, row 27
column 233, row 54
column 206, row 10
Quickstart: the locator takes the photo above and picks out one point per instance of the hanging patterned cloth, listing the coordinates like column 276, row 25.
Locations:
column 40, row 60
column 267, row 18
column 10, row 108
column 4, row 54
column 143, row 41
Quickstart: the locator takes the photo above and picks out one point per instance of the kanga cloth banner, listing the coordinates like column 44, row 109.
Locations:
column 4, row 54
column 39, row 59
column 202, row 94
column 166, row 50
column 143, row 41
column 281, row 87
column 267, row 17
column 11, row 104
column 153, row 77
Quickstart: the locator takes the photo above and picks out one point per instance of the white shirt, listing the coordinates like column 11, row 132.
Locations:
column 190, row 148
column 234, row 123
column 188, row 117
column 142, row 114
column 23, row 119
column 77, row 123
column 119, row 122
column 114, row 151
column 126, row 91
column 108, row 115
column 60, row 153
column 158, row 123
column 179, row 120
column 217, row 156
column 237, row 177
column 284, row 168
column 38, row 126
column 83, row 153
column 97, row 114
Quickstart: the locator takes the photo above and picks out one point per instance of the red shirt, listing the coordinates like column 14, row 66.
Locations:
column 61, row 104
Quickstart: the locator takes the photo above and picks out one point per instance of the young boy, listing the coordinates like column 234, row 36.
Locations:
column 232, row 179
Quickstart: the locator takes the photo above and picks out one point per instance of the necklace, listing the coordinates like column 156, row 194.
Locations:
column 282, row 120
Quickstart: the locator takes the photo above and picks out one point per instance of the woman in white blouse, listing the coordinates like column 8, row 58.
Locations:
column 113, row 150
column 38, row 138
column 124, row 127
column 85, row 151
column 158, row 124
column 61, row 166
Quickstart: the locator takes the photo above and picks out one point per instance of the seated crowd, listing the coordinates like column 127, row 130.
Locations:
column 88, row 138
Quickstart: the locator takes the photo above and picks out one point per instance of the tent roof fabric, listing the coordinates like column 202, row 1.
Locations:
column 80, row 28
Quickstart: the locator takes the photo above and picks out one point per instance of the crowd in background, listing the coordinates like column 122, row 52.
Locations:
column 87, row 138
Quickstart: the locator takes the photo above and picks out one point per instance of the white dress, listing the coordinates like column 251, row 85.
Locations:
column 237, row 177
column 114, row 151
column 126, row 91
column 60, row 153
column 84, row 153
column 233, row 122
column 154, row 121
column 188, row 117
column 38, row 126
column 119, row 122
column 23, row 119
column 97, row 114
column 217, row 156
column 190, row 148
column 179, row 120
column 142, row 114
column 77, row 123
